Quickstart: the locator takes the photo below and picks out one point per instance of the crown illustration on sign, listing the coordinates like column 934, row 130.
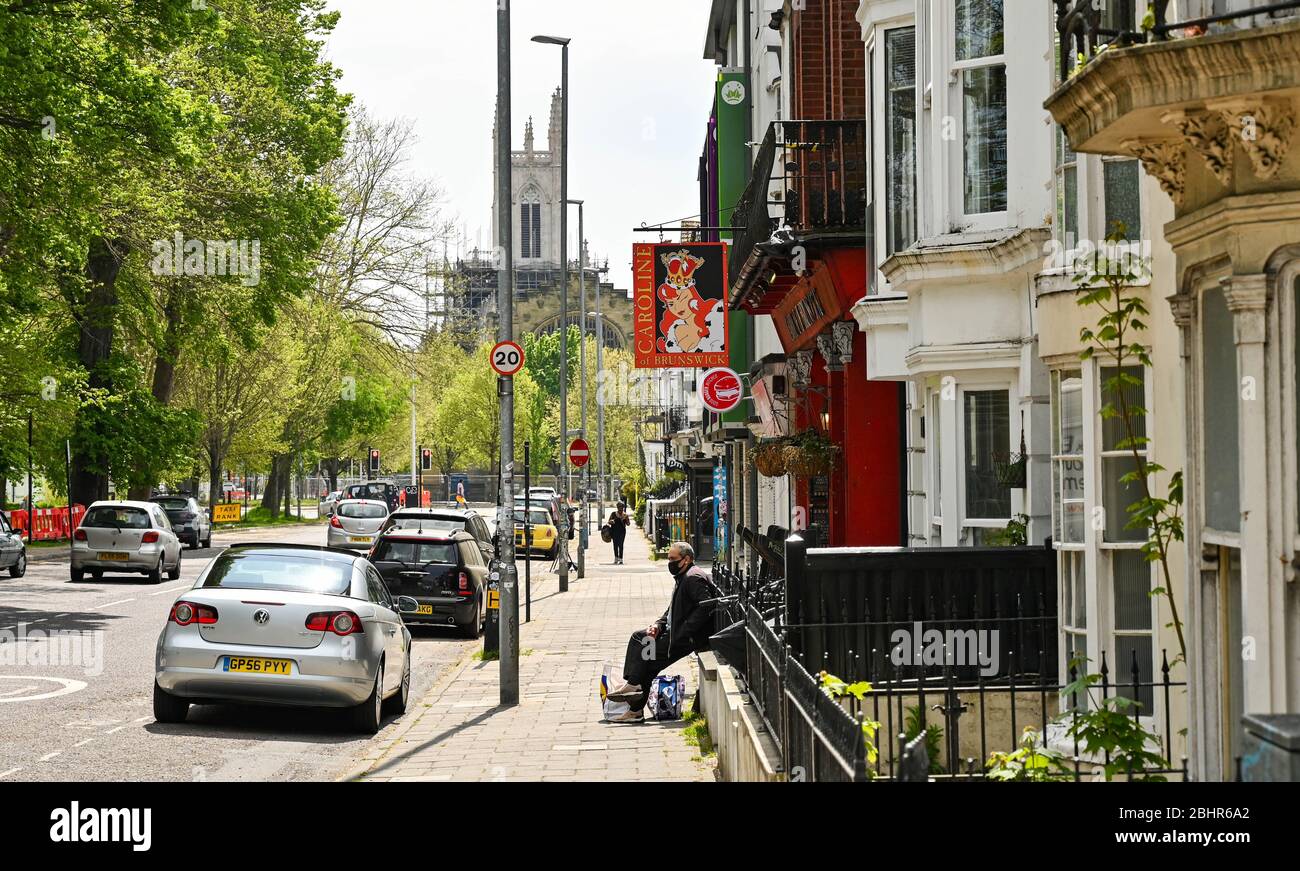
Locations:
column 681, row 267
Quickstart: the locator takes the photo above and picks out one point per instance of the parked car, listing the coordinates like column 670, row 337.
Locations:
column 13, row 550
column 383, row 491
column 542, row 494
column 125, row 537
column 282, row 624
column 463, row 519
column 443, row 571
column 544, row 537
column 325, row 507
column 189, row 521
column 355, row 523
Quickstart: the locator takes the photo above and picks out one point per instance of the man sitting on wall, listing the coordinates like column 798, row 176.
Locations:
column 685, row 627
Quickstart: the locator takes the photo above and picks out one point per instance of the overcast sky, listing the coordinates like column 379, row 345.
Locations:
column 641, row 92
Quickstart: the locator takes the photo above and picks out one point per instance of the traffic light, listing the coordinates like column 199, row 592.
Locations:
column 426, row 459
column 374, row 460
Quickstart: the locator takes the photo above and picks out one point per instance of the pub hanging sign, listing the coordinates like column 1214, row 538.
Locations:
column 680, row 296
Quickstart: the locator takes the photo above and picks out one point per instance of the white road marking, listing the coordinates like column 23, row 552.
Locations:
column 118, row 729
column 69, row 686
column 57, row 616
column 111, row 604
column 83, row 743
column 19, row 690
column 143, row 719
column 168, row 590
column 4, row 774
column 40, row 620
column 48, row 756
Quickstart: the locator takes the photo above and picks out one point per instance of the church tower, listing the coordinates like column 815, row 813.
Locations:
column 535, row 203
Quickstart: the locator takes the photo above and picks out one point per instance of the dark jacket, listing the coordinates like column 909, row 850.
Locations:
column 691, row 613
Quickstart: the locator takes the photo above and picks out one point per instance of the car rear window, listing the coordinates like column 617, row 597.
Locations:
column 362, row 511
column 415, row 552
column 414, row 521
column 539, row 516
column 110, row 517
column 286, row 572
column 173, row 504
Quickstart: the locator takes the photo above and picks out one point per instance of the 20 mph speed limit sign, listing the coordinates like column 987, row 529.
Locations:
column 507, row 358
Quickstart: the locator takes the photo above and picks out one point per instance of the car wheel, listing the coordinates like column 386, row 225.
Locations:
column 155, row 576
column 18, row 569
column 207, row 542
column 367, row 716
column 167, row 708
column 553, row 552
column 175, row 573
column 97, row 574
column 397, row 704
column 77, row 575
column 474, row 628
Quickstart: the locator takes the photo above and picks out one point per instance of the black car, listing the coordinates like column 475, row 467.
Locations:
column 382, row 491
column 443, row 571
column 446, row 519
column 189, row 521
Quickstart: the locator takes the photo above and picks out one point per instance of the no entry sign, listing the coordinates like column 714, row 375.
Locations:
column 721, row 390
column 579, row 452
column 507, row 358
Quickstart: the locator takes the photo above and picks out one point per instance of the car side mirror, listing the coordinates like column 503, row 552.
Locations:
column 406, row 605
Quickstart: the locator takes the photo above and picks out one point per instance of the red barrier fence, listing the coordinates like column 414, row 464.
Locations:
column 49, row 524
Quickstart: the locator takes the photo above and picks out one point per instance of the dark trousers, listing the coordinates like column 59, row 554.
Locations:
column 646, row 658
column 618, row 545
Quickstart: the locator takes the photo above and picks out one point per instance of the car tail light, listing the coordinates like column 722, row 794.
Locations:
column 334, row 521
column 464, row 583
column 149, row 537
column 185, row 613
column 79, row 535
column 338, row 622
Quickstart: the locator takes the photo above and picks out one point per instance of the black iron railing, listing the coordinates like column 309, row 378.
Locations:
column 936, row 721
column 814, row 174
column 1086, row 25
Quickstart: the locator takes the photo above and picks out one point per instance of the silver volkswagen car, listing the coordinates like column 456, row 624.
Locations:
column 129, row 537
column 281, row 624
column 356, row 523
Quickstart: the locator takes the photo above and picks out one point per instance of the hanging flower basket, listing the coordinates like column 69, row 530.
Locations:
column 1010, row 470
column 769, row 458
column 809, row 455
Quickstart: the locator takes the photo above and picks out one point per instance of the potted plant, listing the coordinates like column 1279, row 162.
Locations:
column 769, row 457
column 810, row 454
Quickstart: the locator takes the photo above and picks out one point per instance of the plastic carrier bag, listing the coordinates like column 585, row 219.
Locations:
column 611, row 675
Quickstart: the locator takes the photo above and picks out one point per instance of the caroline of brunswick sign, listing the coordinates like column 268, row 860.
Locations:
column 681, row 305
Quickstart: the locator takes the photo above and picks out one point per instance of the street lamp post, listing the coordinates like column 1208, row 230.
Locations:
column 582, row 387
column 563, row 43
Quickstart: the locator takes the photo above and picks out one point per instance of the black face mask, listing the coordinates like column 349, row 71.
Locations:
column 676, row 567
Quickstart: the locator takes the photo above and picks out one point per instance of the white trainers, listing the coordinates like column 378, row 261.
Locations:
column 627, row 692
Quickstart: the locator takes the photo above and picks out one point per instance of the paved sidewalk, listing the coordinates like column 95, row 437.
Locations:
column 458, row 731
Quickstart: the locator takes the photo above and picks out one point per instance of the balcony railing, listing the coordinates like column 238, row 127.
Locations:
column 1085, row 26
column 814, row 173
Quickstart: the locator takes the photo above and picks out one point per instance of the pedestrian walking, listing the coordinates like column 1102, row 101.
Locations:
column 685, row 627
column 617, row 524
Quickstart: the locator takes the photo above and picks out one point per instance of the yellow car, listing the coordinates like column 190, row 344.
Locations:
column 544, row 536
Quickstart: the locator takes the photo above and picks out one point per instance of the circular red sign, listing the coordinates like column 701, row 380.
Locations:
column 721, row 390
column 579, row 452
column 507, row 358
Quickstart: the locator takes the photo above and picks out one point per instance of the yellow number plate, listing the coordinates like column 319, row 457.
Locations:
column 257, row 665
column 360, row 539
column 109, row 556
column 424, row 609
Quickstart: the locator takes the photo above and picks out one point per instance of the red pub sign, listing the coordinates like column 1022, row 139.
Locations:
column 680, row 300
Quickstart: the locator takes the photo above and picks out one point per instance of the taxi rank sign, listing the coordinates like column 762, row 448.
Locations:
column 680, row 299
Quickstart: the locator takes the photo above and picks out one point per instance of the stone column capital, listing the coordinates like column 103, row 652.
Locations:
column 1247, row 298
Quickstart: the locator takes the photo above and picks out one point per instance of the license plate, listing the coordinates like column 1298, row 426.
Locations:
column 424, row 609
column 360, row 539
column 257, row 665
column 112, row 556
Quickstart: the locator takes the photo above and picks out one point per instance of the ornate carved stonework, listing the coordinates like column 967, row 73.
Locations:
column 842, row 332
column 800, row 369
column 1247, row 298
column 1263, row 127
column 826, row 345
column 1164, row 160
column 1209, row 135
column 1181, row 306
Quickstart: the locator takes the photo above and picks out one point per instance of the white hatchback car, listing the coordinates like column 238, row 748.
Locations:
column 125, row 537
column 356, row 523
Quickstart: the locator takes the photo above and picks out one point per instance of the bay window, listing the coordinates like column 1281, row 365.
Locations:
column 987, row 428
column 900, row 137
column 981, row 66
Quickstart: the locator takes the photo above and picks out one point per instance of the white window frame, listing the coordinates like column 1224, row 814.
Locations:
column 1013, row 421
column 946, row 21
column 876, row 72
